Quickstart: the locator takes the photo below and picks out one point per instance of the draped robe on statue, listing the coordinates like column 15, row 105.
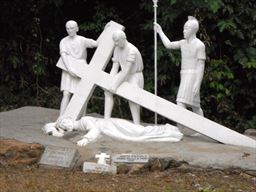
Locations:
column 75, row 49
column 125, row 130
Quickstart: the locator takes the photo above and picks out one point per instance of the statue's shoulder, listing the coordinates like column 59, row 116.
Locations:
column 64, row 39
column 182, row 41
column 80, row 37
column 199, row 43
column 133, row 49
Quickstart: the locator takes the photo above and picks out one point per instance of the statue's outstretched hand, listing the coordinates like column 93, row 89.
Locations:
column 157, row 27
column 82, row 142
column 57, row 134
column 65, row 59
column 115, row 84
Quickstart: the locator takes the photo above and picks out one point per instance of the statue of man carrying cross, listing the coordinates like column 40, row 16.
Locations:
column 128, row 57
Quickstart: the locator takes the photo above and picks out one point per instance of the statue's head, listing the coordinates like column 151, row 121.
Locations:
column 72, row 28
column 51, row 129
column 66, row 124
column 119, row 38
column 190, row 27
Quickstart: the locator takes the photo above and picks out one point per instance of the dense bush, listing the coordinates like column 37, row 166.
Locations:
column 31, row 33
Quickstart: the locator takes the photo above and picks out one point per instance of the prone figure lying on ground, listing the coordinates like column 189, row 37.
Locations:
column 113, row 127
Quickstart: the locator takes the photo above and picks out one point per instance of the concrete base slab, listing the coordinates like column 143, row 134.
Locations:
column 25, row 124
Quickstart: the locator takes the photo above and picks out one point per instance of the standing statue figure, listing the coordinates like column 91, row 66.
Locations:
column 128, row 57
column 72, row 46
column 192, row 64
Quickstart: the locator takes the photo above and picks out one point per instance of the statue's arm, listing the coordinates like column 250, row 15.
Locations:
column 91, row 136
column 94, row 43
column 201, row 56
column 167, row 43
column 88, row 123
column 90, row 43
column 121, row 76
column 65, row 60
column 113, row 71
column 115, row 67
column 199, row 77
column 64, row 57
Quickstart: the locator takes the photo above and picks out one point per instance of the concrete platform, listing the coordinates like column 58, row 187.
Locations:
column 25, row 124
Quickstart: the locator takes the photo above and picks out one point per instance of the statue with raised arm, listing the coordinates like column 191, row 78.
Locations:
column 128, row 58
column 72, row 46
column 192, row 64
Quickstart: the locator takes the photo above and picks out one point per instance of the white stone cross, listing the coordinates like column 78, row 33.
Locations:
column 93, row 75
column 102, row 157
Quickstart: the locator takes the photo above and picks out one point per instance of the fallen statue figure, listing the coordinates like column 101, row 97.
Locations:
column 113, row 127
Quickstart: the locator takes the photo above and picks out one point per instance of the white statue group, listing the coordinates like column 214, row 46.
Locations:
column 128, row 58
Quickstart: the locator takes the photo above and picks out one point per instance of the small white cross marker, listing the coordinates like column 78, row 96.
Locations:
column 102, row 158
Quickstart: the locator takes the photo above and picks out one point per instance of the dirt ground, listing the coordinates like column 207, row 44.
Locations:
column 19, row 172
column 32, row 178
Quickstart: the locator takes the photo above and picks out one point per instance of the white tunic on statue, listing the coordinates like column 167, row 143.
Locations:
column 77, row 49
column 191, row 52
column 125, row 130
column 130, row 54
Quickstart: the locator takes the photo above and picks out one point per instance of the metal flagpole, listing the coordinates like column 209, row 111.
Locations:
column 155, row 50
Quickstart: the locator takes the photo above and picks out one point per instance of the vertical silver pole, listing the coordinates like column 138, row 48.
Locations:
column 155, row 51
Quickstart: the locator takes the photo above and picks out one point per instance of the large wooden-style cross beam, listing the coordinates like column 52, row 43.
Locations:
column 93, row 75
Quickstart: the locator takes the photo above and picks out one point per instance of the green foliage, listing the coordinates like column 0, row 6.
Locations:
column 218, row 76
column 29, row 50
column 99, row 18
column 24, row 61
column 226, row 24
column 214, row 5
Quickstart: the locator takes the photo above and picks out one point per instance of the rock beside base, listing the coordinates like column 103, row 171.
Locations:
column 16, row 153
